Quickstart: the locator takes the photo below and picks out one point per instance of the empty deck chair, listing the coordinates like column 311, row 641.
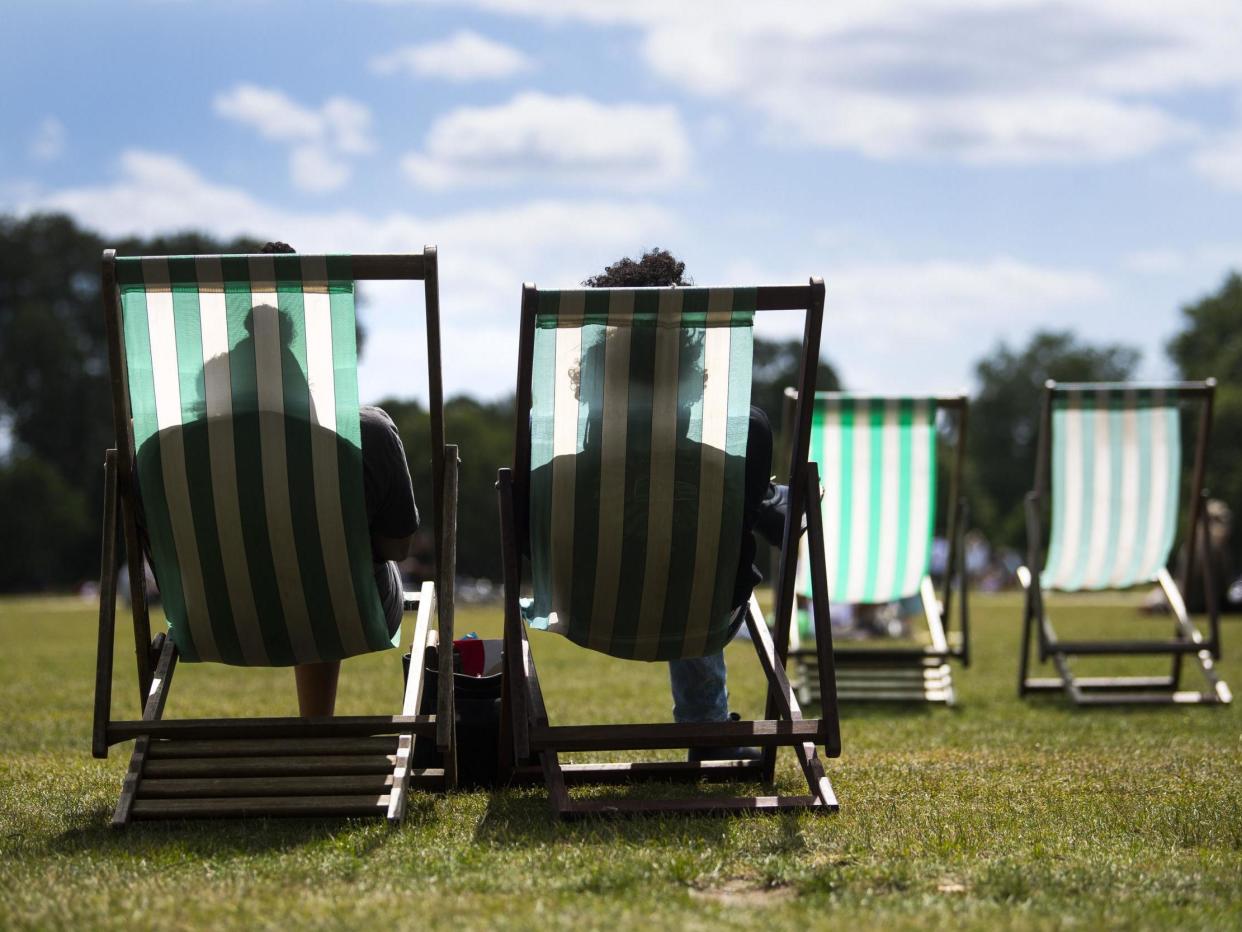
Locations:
column 632, row 419
column 1114, row 453
column 238, row 473
column 877, row 457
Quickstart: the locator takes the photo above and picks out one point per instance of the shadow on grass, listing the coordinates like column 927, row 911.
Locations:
column 876, row 711
column 92, row 833
column 522, row 817
column 879, row 711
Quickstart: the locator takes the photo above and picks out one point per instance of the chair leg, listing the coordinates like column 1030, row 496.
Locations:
column 787, row 703
column 412, row 703
column 1028, row 616
column 107, row 612
column 157, row 697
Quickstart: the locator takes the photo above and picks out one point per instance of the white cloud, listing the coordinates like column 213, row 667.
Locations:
column 317, row 138
column 1157, row 261
column 48, row 141
column 463, row 56
column 537, row 137
column 485, row 255
column 1197, row 263
column 1220, row 161
column 317, row 170
column 348, row 125
column 273, row 114
column 977, row 80
column 919, row 326
column 941, row 300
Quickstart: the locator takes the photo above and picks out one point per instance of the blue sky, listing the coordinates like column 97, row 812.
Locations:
column 958, row 171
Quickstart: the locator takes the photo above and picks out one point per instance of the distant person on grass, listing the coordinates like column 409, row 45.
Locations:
column 700, row 692
column 392, row 518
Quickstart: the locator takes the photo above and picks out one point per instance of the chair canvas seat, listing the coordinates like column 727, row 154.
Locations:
column 1111, row 453
column 879, row 461
column 879, row 505
column 242, row 378
column 1116, row 476
column 640, row 411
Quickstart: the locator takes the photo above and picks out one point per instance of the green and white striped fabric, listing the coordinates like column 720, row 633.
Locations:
column 1116, row 470
column 640, row 413
column 877, row 459
column 243, row 386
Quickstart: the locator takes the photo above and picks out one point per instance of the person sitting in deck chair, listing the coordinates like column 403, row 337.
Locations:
column 392, row 519
column 699, row 684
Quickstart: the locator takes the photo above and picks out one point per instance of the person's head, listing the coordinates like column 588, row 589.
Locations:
column 657, row 267
column 277, row 247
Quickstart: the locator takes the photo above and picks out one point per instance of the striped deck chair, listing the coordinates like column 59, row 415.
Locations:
column 632, row 418
column 1114, row 453
column 237, row 473
column 878, row 456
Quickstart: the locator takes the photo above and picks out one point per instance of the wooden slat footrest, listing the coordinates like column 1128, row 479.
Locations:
column 1128, row 647
column 767, row 733
column 718, row 805
column 897, row 695
column 247, row 777
column 915, row 675
column 1181, row 697
column 328, row 765
column 1103, row 682
column 207, row 787
column 341, row 726
column 260, row 807
column 606, row 774
column 204, row 787
column 271, row 747
column 888, row 657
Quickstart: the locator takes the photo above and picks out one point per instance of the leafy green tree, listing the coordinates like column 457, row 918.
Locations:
column 484, row 433
column 54, row 384
column 776, row 368
column 42, row 513
column 1004, row 420
column 1210, row 344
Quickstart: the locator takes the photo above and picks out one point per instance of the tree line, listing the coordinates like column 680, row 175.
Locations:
column 56, row 419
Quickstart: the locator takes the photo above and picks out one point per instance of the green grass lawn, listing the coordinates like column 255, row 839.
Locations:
column 998, row 813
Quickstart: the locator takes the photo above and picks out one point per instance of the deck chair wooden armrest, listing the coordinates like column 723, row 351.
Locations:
column 955, row 575
column 445, row 724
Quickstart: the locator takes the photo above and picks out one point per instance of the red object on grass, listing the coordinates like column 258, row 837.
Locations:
column 471, row 652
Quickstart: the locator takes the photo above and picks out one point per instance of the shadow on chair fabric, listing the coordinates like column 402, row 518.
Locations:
column 878, row 456
column 626, row 492
column 1112, row 454
column 238, row 474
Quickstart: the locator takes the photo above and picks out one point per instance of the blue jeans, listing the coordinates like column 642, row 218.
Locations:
column 698, row 683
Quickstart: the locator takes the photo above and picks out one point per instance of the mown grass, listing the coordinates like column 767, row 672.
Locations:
column 997, row 814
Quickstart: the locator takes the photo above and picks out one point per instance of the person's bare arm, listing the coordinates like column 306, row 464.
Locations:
column 391, row 548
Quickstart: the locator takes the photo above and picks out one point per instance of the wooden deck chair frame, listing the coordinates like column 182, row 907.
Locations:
column 239, row 767
column 906, row 674
column 531, row 745
column 1187, row 640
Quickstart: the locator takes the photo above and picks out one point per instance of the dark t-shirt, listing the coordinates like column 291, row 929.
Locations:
column 389, row 493
column 755, row 487
column 758, row 470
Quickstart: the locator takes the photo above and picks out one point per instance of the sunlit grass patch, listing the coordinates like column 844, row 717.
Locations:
column 998, row 813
